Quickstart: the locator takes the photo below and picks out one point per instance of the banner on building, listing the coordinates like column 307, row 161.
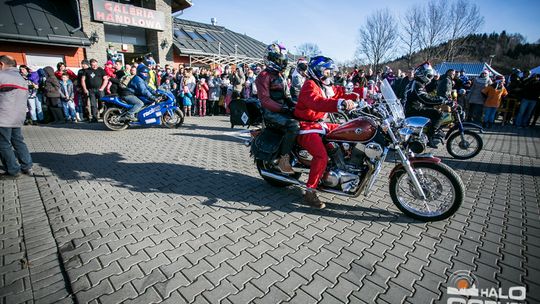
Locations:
column 126, row 14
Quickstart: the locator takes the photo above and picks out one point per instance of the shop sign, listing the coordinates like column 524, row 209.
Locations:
column 126, row 14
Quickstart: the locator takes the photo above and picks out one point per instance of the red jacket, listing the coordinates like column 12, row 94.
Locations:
column 202, row 92
column 71, row 74
column 272, row 90
column 313, row 105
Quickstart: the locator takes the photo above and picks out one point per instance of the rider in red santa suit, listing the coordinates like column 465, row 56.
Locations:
column 317, row 97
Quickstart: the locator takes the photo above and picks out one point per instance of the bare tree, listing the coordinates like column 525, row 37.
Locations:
column 465, row 19
column 309, row 49
column 408, row 35
column 377, row 37
column 433, row 27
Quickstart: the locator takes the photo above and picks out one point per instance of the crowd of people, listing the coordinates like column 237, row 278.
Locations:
column 481, row 97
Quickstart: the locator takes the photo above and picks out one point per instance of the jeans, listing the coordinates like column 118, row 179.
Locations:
column 475, row 112
column 290, row 127
column 489, row 114
column 69, row 109
column 135, row 101
column 525, row 111
column 94, row 95
column 36, row 112
column 12, row 147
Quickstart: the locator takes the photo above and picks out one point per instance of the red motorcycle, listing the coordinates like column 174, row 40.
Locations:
column 420, row 185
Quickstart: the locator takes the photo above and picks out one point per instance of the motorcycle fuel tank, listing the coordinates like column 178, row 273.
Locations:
column 361, row 129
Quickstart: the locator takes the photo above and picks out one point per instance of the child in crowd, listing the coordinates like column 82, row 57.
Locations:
column 109, row 71
column 67, row 97
column 186, row 96
column 202, row 95
column 494, row 93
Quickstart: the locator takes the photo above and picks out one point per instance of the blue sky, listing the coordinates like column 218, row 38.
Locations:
column 333, row 25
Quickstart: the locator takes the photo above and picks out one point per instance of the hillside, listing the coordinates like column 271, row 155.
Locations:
column 510, row 51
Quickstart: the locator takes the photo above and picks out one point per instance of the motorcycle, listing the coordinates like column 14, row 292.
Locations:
column 163, row 112
column 462, row 138
column 420, row 185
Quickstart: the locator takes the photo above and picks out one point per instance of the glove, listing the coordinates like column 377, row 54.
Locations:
column 286, row 110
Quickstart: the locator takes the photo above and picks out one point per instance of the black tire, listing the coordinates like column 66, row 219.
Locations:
column 444, row 170
column 262, row 165
column 175, row 121
column 110, row 118
column 457, row 136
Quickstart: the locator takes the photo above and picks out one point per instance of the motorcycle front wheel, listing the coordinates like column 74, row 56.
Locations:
column 442, row 186
column 173, row 121
column 465, row 148
column 111, row 120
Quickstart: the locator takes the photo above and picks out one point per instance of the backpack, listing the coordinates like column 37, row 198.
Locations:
column 124, row 81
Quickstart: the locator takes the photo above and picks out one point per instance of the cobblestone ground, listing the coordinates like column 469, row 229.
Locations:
column 156, row 215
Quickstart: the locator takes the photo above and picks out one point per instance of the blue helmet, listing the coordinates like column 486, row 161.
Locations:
column 317, row 65
column 141, row 68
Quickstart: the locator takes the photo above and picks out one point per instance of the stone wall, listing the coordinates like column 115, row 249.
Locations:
column 154, row 38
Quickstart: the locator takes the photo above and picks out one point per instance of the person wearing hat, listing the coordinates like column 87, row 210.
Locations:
column 476, row 99
column 494, row 93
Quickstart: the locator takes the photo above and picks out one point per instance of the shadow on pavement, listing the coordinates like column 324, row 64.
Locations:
column 476, row 166
column 215, row 185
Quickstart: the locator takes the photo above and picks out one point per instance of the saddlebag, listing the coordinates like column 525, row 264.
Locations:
column 245, row 112
column 266, row 146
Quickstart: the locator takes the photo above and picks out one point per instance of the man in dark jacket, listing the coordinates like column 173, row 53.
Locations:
column 276, row 100
column 530, row 95
column 13, row 98
column 401, row 84
column 419, row 103
column 444, row 86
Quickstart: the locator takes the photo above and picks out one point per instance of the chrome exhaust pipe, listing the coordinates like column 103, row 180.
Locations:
column 282, row 178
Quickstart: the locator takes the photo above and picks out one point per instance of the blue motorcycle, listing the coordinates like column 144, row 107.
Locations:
column 163, row 112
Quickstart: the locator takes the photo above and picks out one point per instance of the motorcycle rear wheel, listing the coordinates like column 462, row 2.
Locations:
column 473, row 144
column 174, row 121
column 266, row 166
column 110, row 118
column 439, row 182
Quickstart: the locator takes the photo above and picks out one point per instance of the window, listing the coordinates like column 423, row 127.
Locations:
column 180, row 34
column 124, row 34
column 207, row 37
column 43, row 60
column 194, row 35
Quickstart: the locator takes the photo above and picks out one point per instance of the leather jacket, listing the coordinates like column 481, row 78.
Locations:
column 273, row 92
column 416, row 97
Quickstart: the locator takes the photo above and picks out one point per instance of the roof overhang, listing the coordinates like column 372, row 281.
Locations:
column 48, row 40
column 178, row 5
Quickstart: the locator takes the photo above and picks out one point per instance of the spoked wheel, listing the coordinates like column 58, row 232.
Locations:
column 465, row 148
column 175, row 120
column 441, row 185
column 270, row 167
column 111, row 118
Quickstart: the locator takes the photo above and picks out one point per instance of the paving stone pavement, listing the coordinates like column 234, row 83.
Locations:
column 153, row 215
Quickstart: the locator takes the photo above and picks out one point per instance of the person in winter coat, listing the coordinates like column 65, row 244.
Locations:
column 13, row 98
column 238, row 80
column 186, row 96
column 476, row 99
column 214, row 86
column 530, row 94
column 444, row 86
column 52, row 92
column 317, row 97
column 202, row 96
column 67, row 96
column 61, row 69
column 276, row 100
column 34, row 103
column 139, row 86
column 494, row 93
column 298, row 78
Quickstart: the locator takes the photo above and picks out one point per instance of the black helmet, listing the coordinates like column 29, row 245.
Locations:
column 424, row 72
column 276, row 57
